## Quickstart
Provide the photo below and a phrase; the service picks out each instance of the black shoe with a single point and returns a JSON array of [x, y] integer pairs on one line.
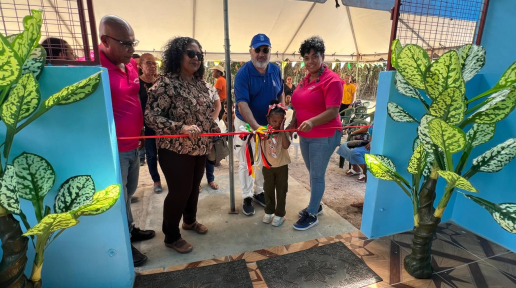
[[141, 235], [138, 257], [248, 208], [319, 212], [306, 222], [142, 162], [260, 199], [134, 199]]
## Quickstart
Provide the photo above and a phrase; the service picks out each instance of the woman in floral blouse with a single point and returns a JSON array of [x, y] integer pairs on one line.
[[180, 103]]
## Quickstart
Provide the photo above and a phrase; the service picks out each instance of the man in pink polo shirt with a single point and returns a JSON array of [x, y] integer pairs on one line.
[[117, 47]]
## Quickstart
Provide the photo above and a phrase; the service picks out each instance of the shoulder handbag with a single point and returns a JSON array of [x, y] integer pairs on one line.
[[219, 151]]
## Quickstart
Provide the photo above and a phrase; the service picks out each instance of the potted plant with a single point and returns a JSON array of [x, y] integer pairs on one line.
[[29, 176], [449, 126]]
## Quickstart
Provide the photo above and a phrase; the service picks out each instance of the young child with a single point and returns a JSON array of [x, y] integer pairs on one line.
[[276, 177]]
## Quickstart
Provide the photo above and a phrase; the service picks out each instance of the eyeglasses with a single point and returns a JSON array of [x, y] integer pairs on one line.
[[265, 50], [126, 44], [191, 54]]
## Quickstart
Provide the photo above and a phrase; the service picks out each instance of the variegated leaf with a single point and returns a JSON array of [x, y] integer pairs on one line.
[[11, 37], [443, 74], [395, 52], [101, 202], [75, 92], [472, 58], [73, 193], [449, 106], [399, 114], [449, 138], [404, 88], [504, 214], [430, 158], [10, 64], [456, 181], [380, 168], [508, 78], [480, 134], [495, 110], [25, 41], [52, 223], [412, 63], [496, 158], [34, 176], [36, 62], [424, 133], [22, 101], [417, 161], [8, 193]]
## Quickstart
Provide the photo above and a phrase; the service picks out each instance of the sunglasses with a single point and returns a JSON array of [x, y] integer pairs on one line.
[[191, 54], [126, 44], [265, 50]]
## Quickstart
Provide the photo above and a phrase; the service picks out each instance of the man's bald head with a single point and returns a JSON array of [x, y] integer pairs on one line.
[[112, 30]]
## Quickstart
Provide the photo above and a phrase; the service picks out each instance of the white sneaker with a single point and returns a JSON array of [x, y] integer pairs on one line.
[[267, 218], [278, 221]]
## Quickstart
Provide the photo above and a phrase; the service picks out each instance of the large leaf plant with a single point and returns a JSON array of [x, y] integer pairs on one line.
[[29, 176], [448, 127]]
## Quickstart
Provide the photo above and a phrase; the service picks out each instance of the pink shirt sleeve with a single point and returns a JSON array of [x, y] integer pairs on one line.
[[333, 94]]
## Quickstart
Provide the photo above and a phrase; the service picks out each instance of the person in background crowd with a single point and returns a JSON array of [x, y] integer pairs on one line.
[[136, 58], [149, 67], [58, 49], [348, 96], [316, 104], [257, 83], [118, 42], [220, 85], [180, 103], [210, 167], [289, 88]]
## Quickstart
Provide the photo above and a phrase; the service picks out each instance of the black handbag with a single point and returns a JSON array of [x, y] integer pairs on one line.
[[357, 143]]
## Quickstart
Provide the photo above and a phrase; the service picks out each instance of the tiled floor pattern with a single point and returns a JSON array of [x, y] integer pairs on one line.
[[461, 259]]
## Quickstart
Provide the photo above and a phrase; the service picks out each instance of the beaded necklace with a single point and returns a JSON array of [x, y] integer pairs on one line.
[[319, 73]]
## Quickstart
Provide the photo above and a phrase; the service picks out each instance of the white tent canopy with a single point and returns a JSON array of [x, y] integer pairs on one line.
[[286, 22]]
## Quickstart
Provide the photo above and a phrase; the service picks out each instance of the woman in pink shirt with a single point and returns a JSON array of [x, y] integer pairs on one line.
[[316, 103]]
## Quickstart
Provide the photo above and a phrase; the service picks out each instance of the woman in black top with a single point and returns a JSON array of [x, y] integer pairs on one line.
[[148, 67], [288, 88]]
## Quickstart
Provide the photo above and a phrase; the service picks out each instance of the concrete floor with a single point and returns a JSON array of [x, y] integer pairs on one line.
[[228, 234]]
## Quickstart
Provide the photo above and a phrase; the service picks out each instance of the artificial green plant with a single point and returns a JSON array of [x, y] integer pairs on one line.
[[449, 126], [29, 176]]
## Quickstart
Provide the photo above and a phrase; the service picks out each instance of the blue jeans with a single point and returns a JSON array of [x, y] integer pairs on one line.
[[316, 154], [210, 168], [152, 155], [130, 169]]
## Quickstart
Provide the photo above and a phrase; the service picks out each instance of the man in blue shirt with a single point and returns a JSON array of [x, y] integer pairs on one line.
[[257, 83]]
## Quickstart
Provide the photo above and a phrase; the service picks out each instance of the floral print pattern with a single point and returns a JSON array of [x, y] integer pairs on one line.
[[174, 103]]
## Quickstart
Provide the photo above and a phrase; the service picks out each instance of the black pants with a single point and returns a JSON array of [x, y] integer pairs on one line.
[[275, 180], [343, 107], [183, 174]]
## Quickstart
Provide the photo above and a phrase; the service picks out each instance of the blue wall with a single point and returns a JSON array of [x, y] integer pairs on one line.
[[80, 139], [387, 209]]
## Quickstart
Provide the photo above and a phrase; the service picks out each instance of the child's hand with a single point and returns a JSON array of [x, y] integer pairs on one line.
[[282, 125]]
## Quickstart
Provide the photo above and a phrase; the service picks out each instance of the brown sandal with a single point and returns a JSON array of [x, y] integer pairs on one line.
[[214, 185], [197, 227], [181, 246]]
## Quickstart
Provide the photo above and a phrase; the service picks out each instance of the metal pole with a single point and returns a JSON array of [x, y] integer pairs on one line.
[[232, 209], [482, 23], [395, 15]]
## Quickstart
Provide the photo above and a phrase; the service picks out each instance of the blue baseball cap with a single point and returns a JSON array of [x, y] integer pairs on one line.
[[260, 40]]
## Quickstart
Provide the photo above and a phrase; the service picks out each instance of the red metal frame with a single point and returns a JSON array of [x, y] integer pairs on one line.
[[482, 23], [395, 14]]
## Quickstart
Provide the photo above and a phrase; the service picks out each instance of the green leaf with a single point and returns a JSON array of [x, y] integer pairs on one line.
[[52, 223], [501, 105], [504, 214], [412, 64], [36, 62], [417, 161], [381, 167], [443, 74], [101, 202], [11, 37], [25, 41], [449, 106], [508, 78], [423, 133], [10, 63], [496, 158], [449, 138], [456, 181], [8, 193], [430, 158], [395, 52], [73, 193], [75, 92], [472, 58], [399, 114], [480, 134], [404, 88], [34, 176]]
